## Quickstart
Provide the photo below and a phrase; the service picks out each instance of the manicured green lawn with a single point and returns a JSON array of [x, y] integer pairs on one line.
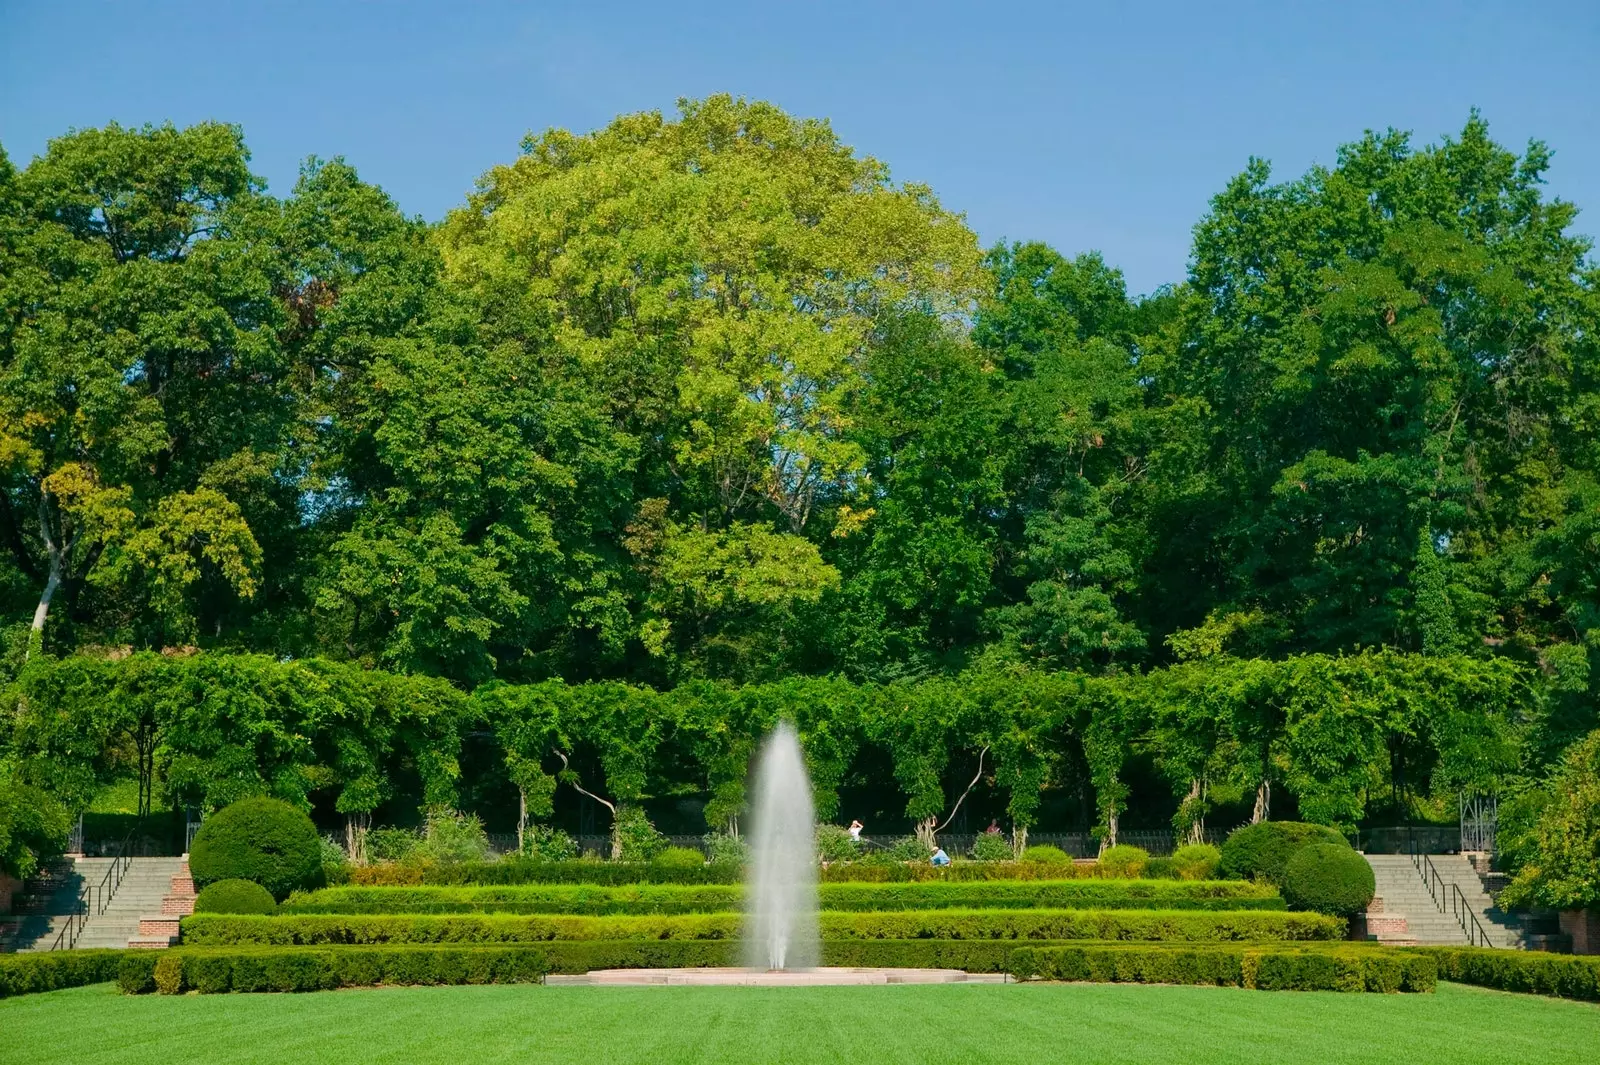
[[929, 1025]]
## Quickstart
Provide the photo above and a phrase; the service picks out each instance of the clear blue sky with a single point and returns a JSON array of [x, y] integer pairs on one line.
[[1101, 125]]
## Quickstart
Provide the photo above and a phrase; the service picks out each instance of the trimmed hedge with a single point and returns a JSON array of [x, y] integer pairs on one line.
[[1254, 966], [511, 871], [235, 896], [1151, 926], [1263, 850], [23, 974], [1536, 972], [671, 899], [262, 840], [528, 871], [1328, 878], [213, 970]]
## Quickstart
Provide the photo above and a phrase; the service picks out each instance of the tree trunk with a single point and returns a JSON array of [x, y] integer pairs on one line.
[[1263, 802], [42, 611], [1019, 839], [522, 816], [927, 831], [1110, 838], [1196, 833]]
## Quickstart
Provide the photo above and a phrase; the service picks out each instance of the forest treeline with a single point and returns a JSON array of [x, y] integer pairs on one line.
[[712, 397]]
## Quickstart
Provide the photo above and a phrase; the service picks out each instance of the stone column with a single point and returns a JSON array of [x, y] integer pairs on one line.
[[1584, 928]]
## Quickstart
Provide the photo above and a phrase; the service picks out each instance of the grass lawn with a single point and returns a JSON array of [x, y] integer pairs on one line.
[[1036, 1024]]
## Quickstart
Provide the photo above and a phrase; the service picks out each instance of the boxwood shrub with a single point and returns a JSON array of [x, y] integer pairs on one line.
[[1124, 861], [668, 898], [263, 840], [1157, 926], [1263, 850], [235, 896], [1328, 878], [1562, 975], [1267, 968]]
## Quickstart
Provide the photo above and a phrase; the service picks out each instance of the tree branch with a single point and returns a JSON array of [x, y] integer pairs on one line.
[[566, 768], [976, 777]]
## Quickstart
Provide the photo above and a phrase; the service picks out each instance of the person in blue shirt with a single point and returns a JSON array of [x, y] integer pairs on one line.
[[940, 857]]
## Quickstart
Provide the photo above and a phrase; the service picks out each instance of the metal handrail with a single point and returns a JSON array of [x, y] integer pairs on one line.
[[1430, 875], [1458, 906], [1477, 935], [89, 896]]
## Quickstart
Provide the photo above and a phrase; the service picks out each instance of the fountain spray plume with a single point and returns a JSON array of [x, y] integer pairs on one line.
[[781, 930]]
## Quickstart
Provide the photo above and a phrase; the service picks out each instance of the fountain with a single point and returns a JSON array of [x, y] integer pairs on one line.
[[781, 888], [782, 945]]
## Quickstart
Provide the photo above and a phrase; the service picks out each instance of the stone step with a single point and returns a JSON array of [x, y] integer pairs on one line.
[[159, 924], [150, 942]]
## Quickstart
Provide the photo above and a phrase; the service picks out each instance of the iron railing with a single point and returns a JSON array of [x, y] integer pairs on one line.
[[1448, 897], [1430, 876], [1477, 935], [97, 897]]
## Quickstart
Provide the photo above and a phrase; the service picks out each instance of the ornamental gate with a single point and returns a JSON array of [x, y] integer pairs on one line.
[[1479, 815]]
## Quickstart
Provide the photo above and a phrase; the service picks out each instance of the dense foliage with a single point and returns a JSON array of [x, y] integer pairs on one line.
[[1562, 861], [711, 400], [261, 840]]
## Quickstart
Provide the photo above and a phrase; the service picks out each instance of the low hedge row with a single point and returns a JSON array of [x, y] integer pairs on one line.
[[672, 899], [1265, 969], [1562, 975], [1142, 925], [525, 871], [23, 974], [586, 871], [212, 970]]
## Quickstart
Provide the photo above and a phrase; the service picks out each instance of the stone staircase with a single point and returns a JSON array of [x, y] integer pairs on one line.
[[1404, 911], [143, 912]]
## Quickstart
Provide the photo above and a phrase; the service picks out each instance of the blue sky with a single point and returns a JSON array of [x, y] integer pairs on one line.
[[1090, 126]]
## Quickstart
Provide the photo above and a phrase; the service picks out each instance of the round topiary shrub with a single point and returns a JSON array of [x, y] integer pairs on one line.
[[679, 858], [992, 847], [1261, 851], [234, 896], [1124, 861], [1196, 861], [1328, 878], [263, 840], [1046, 854]]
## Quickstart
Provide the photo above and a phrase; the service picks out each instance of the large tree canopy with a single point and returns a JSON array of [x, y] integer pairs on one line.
[[709, 398]]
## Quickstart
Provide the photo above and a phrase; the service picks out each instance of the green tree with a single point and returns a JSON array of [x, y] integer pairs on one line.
[[139, 356], [717, 283]]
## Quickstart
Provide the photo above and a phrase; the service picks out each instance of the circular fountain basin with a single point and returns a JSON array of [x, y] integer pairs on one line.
[[820, 977]]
